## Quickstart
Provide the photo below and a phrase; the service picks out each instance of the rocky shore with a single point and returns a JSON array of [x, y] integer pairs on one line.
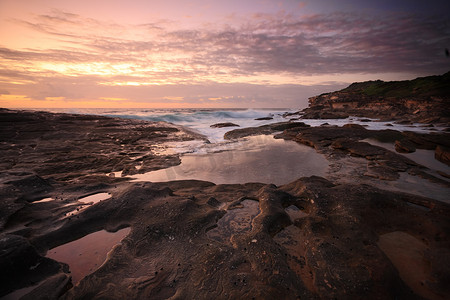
[[424, 100], [361, 232]]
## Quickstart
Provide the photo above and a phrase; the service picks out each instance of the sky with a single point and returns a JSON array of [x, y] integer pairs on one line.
[[211, 54]]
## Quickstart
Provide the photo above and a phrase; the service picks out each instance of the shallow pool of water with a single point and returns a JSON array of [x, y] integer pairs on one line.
[[43, 200], [87, 254], [95, 198], [260, 159], [420, 156]]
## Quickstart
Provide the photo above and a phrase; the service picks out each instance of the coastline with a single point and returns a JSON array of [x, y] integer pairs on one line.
[[344, 241]]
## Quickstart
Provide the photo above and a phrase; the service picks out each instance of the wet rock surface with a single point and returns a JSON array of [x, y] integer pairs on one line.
[[314, 238]]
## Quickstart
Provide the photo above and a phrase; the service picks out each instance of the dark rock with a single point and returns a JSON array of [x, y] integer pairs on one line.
[[404, 146], [264, 118], [21, 265], [32, 187], [213, 202], [357, 126], [265, 129], [221, 125], [325, 114], [443, 174], [52, 288], [362, 149], [442, 154]]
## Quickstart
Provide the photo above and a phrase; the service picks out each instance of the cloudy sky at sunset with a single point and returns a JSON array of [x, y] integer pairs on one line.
[[200, 53]]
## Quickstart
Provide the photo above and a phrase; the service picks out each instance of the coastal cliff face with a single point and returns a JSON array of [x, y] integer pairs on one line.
[[424, 100]]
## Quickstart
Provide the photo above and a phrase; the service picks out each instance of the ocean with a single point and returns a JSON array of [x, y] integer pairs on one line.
[[200, 120], [253, 159]]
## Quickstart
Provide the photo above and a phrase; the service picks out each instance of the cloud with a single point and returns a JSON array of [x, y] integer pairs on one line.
[[317, 44], [92, 58]]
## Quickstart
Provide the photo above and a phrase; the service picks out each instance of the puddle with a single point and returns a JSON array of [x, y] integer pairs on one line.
[[407, 254], [95, 198], [261, 159], [88, 201], [420, 156], [235, 221], [43, 200], [419, 186], [295, 213], [87, 254]]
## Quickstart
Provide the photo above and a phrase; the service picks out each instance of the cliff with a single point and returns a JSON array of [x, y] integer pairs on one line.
[[425, 100]]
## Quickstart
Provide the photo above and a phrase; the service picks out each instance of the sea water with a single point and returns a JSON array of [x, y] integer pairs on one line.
[[238, 161], [200, 120]]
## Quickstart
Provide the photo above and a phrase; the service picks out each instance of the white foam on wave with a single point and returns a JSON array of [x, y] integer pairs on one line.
[[200, 120]]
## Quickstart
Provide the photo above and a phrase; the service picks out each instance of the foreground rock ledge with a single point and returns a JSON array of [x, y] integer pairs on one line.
[[342, 243]]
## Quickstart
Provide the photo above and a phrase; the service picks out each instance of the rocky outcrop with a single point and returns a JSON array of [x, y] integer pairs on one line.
[[265, 129], [221, 125], [425, 100]]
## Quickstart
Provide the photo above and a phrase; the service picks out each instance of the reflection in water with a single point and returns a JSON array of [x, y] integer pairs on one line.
[[420, 156], [88, 201], [415, 184], [262, 159], [87, 254], [43, 200], [95, 198], [235, 221], [419, 186]]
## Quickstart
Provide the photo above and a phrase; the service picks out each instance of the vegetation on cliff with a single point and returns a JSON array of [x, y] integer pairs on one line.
[[423, 100], [438, 86]]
